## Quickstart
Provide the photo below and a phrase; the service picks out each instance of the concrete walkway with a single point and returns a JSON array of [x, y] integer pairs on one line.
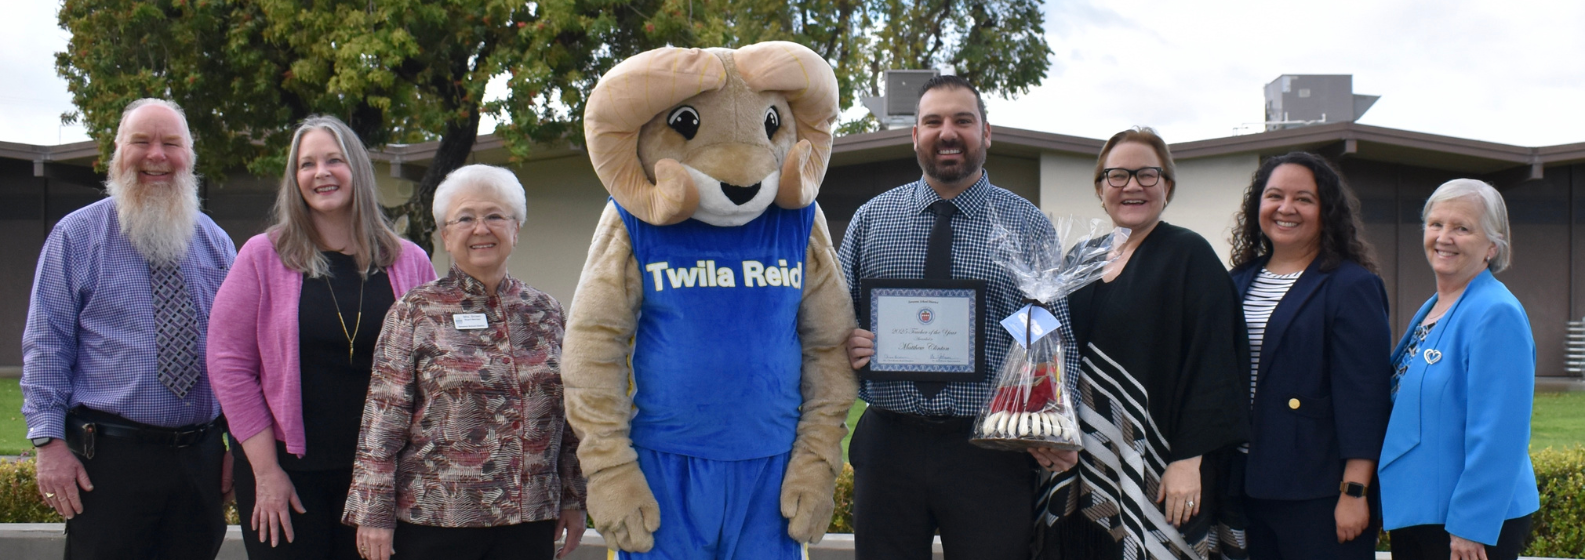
[[41, 541]]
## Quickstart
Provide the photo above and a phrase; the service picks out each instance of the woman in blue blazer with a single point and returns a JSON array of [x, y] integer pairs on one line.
[[1319, 371], [1456, 478]]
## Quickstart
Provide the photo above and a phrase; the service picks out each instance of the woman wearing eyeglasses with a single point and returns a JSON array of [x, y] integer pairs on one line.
[[465, 452], [291, 340], [1159, 400]]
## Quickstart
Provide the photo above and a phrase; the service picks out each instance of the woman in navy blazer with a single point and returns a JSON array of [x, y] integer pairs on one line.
[[1319, 372], [1456, 478]]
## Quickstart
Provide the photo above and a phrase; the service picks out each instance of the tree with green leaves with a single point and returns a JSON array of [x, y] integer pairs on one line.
[[408, 71]]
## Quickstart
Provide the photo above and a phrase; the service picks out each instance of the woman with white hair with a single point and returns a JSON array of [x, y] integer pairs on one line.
[[1456, 479], [291, 342], [465, 451]]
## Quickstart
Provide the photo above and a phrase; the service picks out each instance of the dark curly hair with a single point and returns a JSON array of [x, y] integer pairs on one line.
[[1341, 228]]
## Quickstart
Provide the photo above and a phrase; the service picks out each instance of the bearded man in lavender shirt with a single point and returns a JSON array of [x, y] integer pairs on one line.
[[115, 390]]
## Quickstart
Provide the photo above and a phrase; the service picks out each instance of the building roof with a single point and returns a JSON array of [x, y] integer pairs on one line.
[[1353, 139]]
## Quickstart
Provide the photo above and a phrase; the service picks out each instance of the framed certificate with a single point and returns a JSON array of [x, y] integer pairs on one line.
[[925, 330]]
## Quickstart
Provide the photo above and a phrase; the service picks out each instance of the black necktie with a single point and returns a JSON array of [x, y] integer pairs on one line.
[[938, 250], [938, 266]]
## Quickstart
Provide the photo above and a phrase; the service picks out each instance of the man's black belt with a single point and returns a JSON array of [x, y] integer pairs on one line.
[[113, 426], [925, 421], [172, 437]]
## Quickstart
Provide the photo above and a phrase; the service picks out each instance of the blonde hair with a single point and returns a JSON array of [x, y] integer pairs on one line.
[[374, 242]]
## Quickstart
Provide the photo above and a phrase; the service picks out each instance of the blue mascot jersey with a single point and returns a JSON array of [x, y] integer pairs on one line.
[[717, 359]]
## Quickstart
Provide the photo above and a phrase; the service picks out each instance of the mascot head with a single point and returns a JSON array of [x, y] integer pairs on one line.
[[716, 134]]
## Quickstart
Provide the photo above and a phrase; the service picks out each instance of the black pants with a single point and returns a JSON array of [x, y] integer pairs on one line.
[[524, 541], [1304, 529], [1432, 542], [317, 534], [914, 476], [149, 500]]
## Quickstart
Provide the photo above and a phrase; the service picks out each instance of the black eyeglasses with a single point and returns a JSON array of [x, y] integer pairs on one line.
[[1118, 176]]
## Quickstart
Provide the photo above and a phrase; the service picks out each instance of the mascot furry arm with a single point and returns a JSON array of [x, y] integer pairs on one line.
[[661, 184]]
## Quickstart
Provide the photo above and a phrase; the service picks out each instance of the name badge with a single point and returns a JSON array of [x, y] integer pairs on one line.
[[469, 321]]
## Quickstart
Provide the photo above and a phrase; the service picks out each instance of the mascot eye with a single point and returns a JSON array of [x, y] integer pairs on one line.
[[684, 120], [772, 122]]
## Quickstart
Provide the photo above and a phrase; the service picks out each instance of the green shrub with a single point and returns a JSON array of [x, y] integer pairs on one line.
[[1559, 528], [842, 520], [19, 495], [20, 501]]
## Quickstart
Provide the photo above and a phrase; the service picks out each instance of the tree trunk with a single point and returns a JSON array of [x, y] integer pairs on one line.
[[456, 144]]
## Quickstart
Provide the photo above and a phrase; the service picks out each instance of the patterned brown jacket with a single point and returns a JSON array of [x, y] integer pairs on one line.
[[466, 428]]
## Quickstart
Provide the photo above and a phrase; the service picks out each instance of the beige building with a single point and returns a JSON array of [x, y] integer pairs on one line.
[[1393, 172]]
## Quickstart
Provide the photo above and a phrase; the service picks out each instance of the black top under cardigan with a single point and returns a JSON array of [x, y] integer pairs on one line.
[[334, 386]]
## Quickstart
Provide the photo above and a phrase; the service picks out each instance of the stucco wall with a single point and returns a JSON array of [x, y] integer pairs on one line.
[[1209, 192], [565, 199], [1066, 188]]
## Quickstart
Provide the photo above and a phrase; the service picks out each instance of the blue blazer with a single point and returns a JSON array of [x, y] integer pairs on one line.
[[1457, 450], [1325, 350]]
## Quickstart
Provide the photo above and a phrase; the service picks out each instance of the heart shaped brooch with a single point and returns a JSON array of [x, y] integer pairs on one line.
[[1432, 356]]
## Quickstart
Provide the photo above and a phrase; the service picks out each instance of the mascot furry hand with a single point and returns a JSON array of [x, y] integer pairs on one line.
[[704, 365]]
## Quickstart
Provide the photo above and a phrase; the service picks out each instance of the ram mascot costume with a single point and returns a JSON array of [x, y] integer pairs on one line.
[[704, 364]]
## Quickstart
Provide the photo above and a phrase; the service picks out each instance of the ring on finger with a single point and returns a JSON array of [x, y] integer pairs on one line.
[[49, 495]]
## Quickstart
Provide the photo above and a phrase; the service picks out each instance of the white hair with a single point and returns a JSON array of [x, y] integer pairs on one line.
[[1493, 216], [499, 182]]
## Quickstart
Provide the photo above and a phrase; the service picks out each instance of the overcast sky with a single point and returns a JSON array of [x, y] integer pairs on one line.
[[1510, 71]]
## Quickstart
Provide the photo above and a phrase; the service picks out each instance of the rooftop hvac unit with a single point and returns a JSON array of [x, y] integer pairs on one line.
[[896, 108], [1294, 100], [902, 90]]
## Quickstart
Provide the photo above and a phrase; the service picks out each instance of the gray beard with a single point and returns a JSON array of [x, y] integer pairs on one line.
[[159, 221]]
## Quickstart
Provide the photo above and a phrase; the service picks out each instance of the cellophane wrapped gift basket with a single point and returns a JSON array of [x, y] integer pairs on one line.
[[1032, 405]]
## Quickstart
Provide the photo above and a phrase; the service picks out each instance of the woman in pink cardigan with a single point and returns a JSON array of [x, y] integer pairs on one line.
[[291, 343]]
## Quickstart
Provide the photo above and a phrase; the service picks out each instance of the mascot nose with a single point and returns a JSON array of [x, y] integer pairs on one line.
[[740, 195]]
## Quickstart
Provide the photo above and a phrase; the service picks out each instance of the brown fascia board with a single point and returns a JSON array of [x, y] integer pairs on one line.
[[63, 152], [422, 153], [1282, 141], [1562, 154], [1000, 136]]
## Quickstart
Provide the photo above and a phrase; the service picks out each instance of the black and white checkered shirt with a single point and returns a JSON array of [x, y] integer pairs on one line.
[[887, 239]]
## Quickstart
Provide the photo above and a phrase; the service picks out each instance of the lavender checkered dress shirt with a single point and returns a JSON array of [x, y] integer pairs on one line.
[[90, 330], [887, 238]]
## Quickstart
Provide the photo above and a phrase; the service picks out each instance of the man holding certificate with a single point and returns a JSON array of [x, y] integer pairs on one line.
[[918, 260]]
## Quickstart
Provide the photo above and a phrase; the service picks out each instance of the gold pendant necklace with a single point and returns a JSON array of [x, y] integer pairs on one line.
[[357, 323]]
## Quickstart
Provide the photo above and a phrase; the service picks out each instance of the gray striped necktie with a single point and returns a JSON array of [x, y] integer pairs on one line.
[[175, 329]]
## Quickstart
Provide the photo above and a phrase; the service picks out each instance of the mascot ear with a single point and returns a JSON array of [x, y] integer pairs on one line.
[[626, 98], [811, 89]]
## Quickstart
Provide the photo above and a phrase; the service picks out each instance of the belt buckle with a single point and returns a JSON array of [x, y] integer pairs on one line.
[[187, 438]]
